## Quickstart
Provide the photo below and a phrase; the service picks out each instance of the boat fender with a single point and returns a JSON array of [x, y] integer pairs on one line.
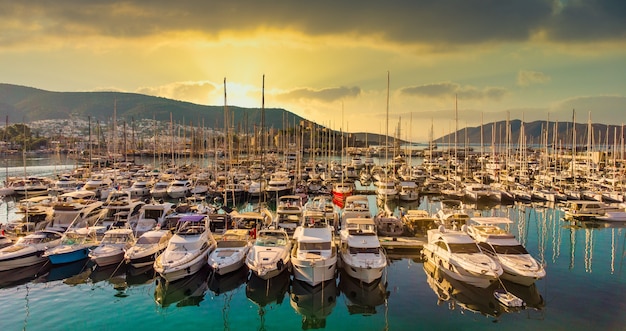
[[280, 264]]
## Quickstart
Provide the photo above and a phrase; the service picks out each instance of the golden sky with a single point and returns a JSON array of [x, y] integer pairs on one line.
[[531, 59]]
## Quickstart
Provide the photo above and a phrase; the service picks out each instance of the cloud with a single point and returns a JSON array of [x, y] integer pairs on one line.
[[587, 21], [445, 22], [196, 92], [324, 95], [448, 89], [526, 78]]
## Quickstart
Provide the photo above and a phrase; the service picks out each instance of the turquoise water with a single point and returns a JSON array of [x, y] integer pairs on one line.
[[584, 289]]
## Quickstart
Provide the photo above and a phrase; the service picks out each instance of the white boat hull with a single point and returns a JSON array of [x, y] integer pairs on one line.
[[314, 272], [227, 260], [175, 271], [478, 279], [366, 271]]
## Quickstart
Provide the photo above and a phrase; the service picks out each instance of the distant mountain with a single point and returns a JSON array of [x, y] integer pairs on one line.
[[26, 104], [534, 131]]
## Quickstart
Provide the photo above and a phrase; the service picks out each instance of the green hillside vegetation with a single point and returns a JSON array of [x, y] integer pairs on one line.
[[26, 104]]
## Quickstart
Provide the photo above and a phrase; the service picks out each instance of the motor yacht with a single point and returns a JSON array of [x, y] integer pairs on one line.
[[456, 253], [112, 247], [75, 246], [362, 257], [314, 257], [179, 189], [271, 253], [231, 251], [289, 213], [187, 250], [147, 247], [28, 250], [517, 264]]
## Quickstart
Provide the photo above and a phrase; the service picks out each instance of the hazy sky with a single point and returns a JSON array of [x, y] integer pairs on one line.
[[530, 59]]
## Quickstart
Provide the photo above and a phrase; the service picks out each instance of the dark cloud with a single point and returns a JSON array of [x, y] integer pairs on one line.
[[588, 20], [326, 95], [448, 89], [456, 22]]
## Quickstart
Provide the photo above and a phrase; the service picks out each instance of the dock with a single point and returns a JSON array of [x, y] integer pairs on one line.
[[402, 243]]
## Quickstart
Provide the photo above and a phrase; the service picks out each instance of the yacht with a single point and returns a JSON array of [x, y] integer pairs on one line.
[[341, 190], [179, 189], [112, 247], [28, 250], [271, 254], [418, 221], [75, 246], [78, 208], [149, 245], [152, 215], [121, 210], [388, 224], [278, 184], [32, 186], [517, 264], [585, 209], [386, 189], [188, 249], [362, 257], [140, 189], [36, 214], [289, 213], [63, 184], [409, 191], [452, 214], [356, 206], [159, 190], [460, 257], [314, 257], [99, 184], [231, 251]]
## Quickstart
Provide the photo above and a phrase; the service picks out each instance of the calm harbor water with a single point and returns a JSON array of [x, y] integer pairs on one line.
[[584, 289]]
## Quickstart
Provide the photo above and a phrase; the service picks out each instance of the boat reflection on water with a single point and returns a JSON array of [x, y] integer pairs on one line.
[[220, 284], [22, 275], [460, 294], [72, 273], [362, 298], [188, 291], [314, 303], [108, 273], [479, 300], [266, 292], [140, 276]]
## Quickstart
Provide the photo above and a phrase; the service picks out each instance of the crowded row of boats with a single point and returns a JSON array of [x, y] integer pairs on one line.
[[309, 241]]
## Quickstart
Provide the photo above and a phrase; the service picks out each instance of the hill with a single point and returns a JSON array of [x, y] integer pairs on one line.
[[27, 104], [534, 131]]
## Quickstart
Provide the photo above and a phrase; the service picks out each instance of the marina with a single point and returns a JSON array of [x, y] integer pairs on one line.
[[583, 260]]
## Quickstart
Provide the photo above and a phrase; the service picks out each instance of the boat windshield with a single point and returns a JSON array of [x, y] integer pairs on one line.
[[116, 238], [468, 248], [512, 250], [321, 246], [364, 250], [270, 240], [148, 240], [32, 241]]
